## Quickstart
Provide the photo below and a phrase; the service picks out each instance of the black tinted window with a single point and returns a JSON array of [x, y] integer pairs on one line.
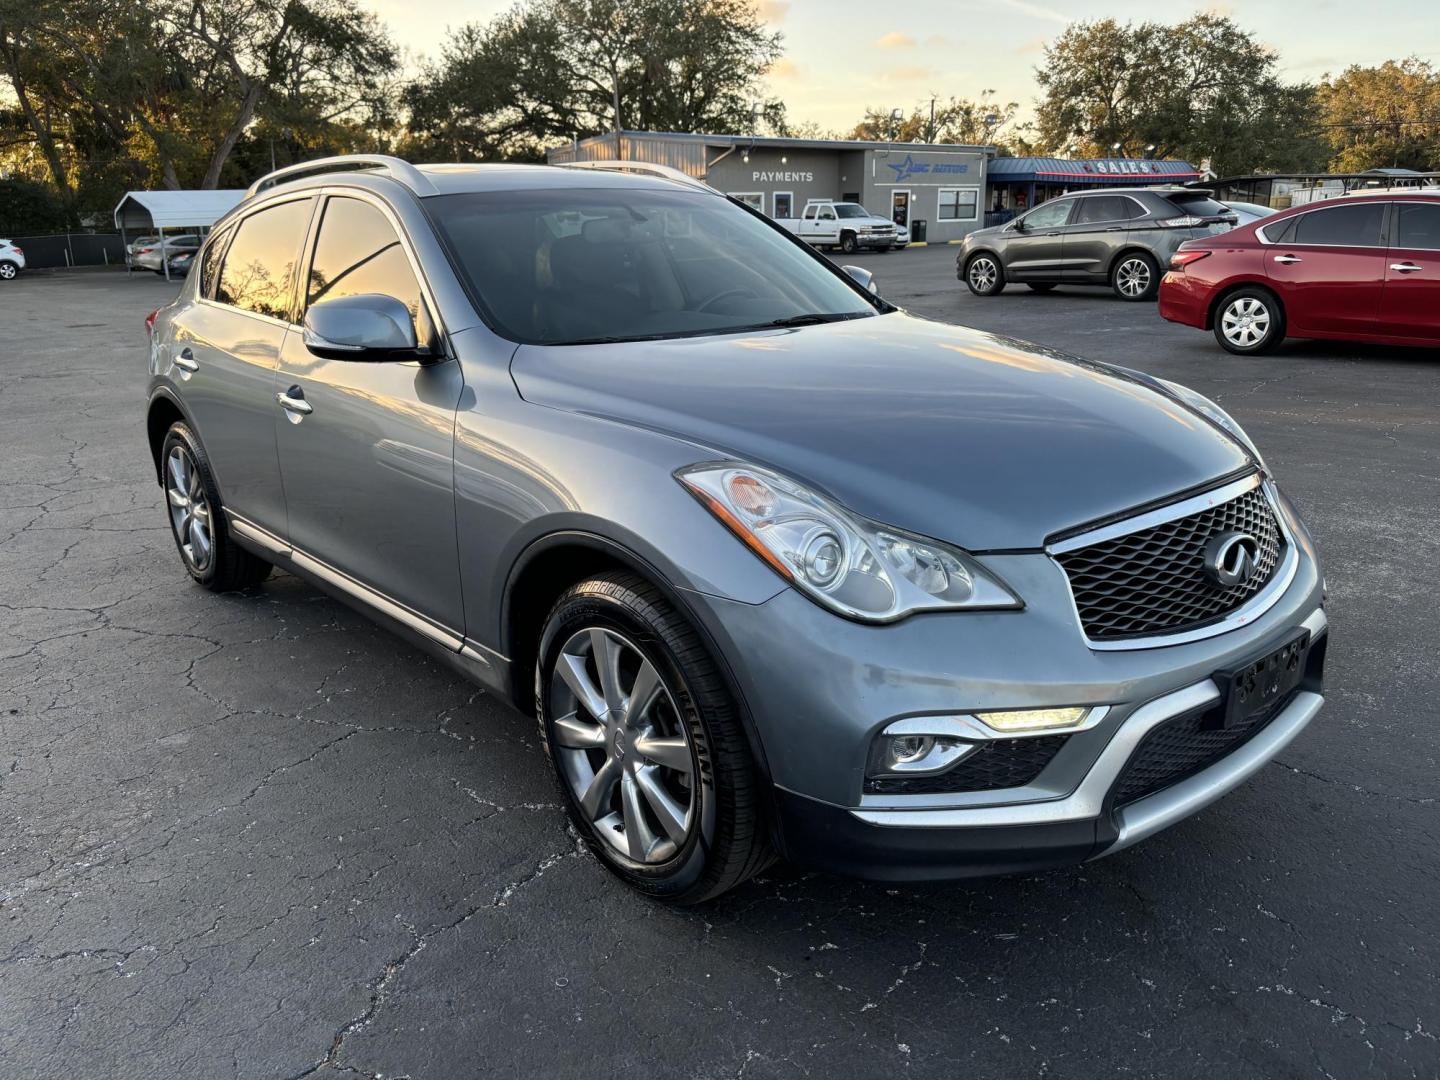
[[359, 252], [1357, 225], [1419, 226], [259, 268], [1104, 208], [1199, 205], [1282, 232], [210, 262]]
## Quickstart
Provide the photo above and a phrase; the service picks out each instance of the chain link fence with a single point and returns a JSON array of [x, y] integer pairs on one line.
[[71, 249]]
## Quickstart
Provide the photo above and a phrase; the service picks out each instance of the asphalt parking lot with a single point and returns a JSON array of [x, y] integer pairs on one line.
[[253, 836]]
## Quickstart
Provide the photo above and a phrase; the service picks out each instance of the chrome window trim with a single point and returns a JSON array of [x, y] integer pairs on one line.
[[1246, 613], [1148, 815], [1332, 204]]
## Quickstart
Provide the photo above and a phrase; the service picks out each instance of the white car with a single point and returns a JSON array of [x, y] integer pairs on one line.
[[1247, 212], [12, 260], [151, 256]]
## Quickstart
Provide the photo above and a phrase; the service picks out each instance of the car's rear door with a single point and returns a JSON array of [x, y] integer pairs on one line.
[[1033, 244], [368, 454], [1097, 231], [225, 349], [1328, 265], [1410, 301]]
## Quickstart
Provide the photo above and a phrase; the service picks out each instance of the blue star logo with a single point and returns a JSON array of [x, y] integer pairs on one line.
[[904, 169]]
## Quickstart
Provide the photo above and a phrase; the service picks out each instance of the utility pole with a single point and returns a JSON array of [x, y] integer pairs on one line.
[[930, 131]]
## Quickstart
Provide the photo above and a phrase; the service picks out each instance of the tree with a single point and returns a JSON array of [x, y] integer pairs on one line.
[[1204, 88], [978, 121], [28, 207], [551, 70], [1382, 116]]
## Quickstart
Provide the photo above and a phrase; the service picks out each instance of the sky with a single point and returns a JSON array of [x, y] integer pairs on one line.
[[842, 56]]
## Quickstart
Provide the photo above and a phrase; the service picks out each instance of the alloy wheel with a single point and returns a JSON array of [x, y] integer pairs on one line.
[[983, 273], [1133, 277], [621, 745], [190, 515], [1245, 322], [7, 271]]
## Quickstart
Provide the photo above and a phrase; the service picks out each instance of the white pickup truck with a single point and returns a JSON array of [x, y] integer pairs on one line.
[[846, 225]]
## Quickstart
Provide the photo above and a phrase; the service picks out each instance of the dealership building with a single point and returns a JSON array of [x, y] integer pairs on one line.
[[940, 184], [953, 188]]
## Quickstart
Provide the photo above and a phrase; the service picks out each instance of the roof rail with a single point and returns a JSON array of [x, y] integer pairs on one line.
[[394, 167], [649, 168]]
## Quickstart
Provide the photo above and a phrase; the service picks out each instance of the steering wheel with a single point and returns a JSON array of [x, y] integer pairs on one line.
[[724, 295]]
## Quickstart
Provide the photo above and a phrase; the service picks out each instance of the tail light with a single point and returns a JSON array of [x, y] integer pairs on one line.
[[17, 249], [1182, 259], [150, 322], [144, 251], [1188, 221]]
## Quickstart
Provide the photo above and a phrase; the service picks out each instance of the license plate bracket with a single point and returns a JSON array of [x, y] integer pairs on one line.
[[1259, 685]]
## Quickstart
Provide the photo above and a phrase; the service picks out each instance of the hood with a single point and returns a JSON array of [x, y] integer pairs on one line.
[[980, 234], [964, 436]]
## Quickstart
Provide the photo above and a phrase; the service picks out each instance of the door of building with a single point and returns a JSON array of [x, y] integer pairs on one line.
[[900, 207]]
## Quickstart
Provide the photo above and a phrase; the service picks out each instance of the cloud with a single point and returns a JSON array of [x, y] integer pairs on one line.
[[895, 40], [785, 68], [1037, 11], [774, 11], [1029, 48]]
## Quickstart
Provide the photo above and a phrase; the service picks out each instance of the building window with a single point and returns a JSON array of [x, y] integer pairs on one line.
[[959, 204], [753, 199], [784, 203]]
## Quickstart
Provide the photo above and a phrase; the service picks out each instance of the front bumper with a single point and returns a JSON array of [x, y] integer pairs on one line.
[[819, 689]]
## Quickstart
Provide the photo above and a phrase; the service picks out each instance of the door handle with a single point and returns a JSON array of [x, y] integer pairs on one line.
[[1287, 259], [293, 401], [1405, 267], [1115, 228], [186, 359]]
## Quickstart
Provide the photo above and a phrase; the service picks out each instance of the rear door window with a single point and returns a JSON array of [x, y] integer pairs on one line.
[[1099, 208], [358, 251], [1356, 225], [210, 262], [1418, 226], [258, 273]]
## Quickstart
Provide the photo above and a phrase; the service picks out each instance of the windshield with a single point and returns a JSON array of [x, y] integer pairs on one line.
[[850, 210], [566, 266]]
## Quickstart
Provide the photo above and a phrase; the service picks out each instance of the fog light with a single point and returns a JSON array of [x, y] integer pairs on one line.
[[916, 755], [1033, 719]]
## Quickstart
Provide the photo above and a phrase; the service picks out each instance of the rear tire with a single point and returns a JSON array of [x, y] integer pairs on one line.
[[197, 519], [984, 275], [1135, 276], [679, 813], [8, 270], [1249, 321]]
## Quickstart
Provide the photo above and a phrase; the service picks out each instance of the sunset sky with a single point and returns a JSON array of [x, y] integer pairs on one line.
[[844, 55]]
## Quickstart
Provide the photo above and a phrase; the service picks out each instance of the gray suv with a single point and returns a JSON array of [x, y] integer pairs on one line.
[[779, 568], [1121, 237]]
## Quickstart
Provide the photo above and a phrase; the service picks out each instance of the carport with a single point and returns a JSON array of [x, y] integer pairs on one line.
[[156, 211]]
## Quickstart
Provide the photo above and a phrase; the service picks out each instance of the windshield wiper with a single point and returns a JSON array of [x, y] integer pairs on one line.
[[815, 318]]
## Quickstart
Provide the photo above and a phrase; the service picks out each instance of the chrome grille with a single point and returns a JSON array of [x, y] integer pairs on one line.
[[1153, 581]]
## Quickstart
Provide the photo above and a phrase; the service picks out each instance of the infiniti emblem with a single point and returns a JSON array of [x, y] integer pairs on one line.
[[619, 744], [1231, 558]]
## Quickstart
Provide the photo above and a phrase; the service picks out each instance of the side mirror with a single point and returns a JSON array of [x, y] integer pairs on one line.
[[862, 277], [1018, 224], [370, 326]]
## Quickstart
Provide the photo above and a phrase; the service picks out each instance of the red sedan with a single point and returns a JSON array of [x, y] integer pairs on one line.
[[1357, 268]]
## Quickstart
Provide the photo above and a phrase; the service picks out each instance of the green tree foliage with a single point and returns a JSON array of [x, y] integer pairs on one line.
[[1386, 116], [550, 70], [28, 207], [976, 121], [1201, 89]]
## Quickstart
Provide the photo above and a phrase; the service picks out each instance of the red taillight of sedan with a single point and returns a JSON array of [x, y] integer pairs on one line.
[[150, 322], [1182, 259]]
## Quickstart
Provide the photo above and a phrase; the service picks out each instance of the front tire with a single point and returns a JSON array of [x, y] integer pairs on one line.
[[1136, 276], [197, 520], [646, 742], [1249, 322], [848, 244], [984, 275]]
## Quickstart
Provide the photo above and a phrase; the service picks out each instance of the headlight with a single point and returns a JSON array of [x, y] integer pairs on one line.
[[855, 567], [1207, 408]]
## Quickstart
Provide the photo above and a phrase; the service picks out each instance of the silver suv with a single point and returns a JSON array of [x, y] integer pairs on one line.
[[780, 568], [1121, 237]]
